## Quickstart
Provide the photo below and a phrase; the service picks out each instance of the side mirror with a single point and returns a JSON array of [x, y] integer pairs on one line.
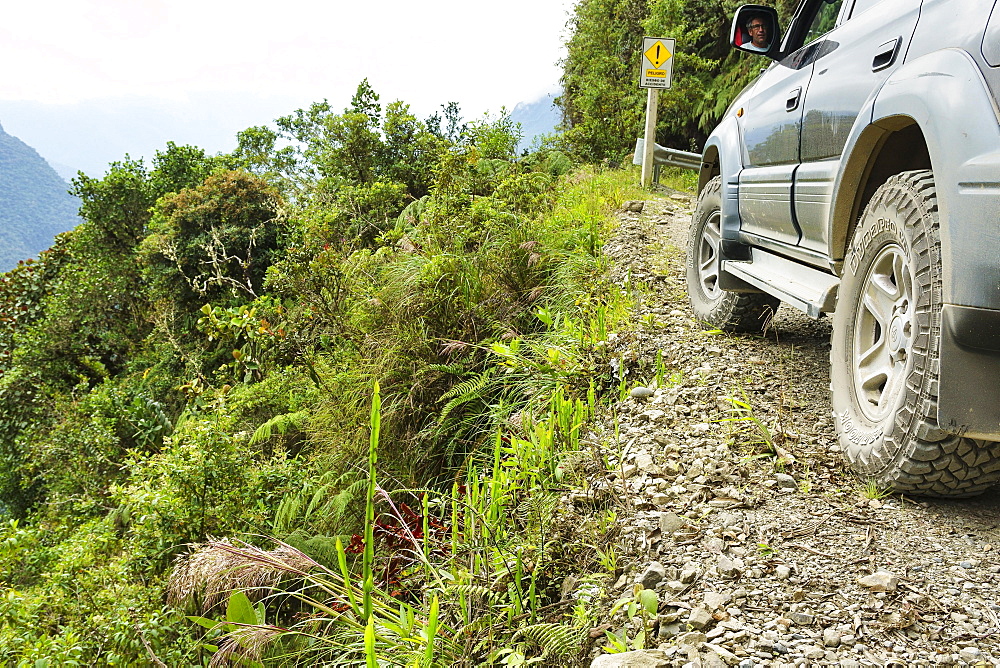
[[755, 30]]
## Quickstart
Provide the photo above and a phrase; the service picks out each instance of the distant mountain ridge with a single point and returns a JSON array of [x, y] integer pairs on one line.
[[537, 118], [34, 203]]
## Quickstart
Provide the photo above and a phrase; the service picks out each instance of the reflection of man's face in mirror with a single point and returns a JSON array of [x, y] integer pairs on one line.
[[759, 37]]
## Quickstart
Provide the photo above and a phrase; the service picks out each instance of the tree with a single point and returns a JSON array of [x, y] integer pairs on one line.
[[411, 150], [602, 105], [495, 138], [212, 243], [257, 152], [362, 166], [453, 129], [90, 315], [338, 148]]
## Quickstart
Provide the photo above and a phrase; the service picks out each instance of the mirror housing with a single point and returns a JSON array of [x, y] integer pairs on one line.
[[740, 35]]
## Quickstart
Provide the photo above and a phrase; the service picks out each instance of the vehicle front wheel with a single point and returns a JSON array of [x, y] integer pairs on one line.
[[884, 353], [728, 311]]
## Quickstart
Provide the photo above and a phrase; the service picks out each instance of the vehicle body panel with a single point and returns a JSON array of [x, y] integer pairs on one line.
[[903, 68], [855, 58]]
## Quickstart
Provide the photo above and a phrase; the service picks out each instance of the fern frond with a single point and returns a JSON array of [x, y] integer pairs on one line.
[[465, 392], [280, 424], [321, 548], [480, 593], [470, 386], [537, 509], [554, 639], [453, 369], [318, 505], [286, 514], [333, 508]]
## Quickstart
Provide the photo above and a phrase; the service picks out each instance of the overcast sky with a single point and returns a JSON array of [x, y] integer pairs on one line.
[[66, 54]]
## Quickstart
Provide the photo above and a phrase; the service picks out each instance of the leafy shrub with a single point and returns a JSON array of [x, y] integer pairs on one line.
[[213, 242], [205, 481]]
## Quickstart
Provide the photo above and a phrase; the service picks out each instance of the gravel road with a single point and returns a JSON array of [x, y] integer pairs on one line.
[[762, 548]]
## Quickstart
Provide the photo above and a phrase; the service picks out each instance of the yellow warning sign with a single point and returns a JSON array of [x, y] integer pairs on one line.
[[657, 65], [657, 54]]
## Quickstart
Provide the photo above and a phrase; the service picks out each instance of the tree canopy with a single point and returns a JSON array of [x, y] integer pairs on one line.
[[603, 107]]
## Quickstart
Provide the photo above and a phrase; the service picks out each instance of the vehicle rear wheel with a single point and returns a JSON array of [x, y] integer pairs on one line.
[[884, 353], [728, 311]]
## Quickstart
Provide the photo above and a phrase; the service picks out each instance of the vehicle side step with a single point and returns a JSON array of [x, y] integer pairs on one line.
[[798, 285]]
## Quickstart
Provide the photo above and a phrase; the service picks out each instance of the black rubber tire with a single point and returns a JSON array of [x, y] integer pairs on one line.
[[717, 308], [884, 352]]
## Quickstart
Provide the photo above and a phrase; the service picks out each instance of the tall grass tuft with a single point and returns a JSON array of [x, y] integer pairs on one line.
[[501, 533]]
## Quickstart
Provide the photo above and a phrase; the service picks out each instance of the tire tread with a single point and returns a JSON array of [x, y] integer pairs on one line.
[[917, 457], [736, 312]]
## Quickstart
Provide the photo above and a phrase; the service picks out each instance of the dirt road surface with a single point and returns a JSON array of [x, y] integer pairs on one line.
[[737, 510]]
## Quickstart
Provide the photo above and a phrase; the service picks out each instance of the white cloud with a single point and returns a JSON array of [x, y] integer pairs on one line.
[[483, 55]]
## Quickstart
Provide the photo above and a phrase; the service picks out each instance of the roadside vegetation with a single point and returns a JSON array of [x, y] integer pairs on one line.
[[310, 401], [316, 400]]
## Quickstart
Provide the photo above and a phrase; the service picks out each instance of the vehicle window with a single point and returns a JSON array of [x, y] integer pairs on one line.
[[824, 20], [863, 6]]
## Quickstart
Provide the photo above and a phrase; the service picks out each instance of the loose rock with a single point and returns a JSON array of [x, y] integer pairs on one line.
[[880, 581], [641, 393], [786, 481], [801, 618], [700, 618], [727, 567], [637, 659], [652, 575]]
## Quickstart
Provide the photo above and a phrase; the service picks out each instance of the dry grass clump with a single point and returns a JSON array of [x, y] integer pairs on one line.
[[244, 644], [209, 572]]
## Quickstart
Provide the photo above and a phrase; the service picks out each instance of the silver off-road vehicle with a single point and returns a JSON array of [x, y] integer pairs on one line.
[[859, 175]]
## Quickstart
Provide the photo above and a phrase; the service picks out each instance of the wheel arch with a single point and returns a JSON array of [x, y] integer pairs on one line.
[[723, 156], [939, 104], [710, 167], [882, 150]]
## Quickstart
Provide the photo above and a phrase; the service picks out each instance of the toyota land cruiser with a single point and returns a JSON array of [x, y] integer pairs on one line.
[[859, 175]]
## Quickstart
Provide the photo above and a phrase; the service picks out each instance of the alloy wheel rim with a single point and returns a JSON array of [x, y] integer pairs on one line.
[[883, 333], [708, 256]]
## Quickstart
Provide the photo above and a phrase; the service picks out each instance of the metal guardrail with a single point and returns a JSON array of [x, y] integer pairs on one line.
[[663, 156]]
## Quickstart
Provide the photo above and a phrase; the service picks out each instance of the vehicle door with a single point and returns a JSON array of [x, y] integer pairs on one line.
[[855, 59], [771, 123]]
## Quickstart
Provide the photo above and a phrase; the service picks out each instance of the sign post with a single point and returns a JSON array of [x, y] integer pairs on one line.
[[657, 70], [649, 141]]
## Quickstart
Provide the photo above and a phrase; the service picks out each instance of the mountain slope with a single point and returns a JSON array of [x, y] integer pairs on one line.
[[536, 118], [34, 202]]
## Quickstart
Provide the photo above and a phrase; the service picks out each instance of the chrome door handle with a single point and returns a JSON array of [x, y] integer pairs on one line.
[[886, 55]]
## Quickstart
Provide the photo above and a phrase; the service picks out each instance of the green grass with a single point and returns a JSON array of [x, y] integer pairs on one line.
[[520, 411], [871, 490]]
